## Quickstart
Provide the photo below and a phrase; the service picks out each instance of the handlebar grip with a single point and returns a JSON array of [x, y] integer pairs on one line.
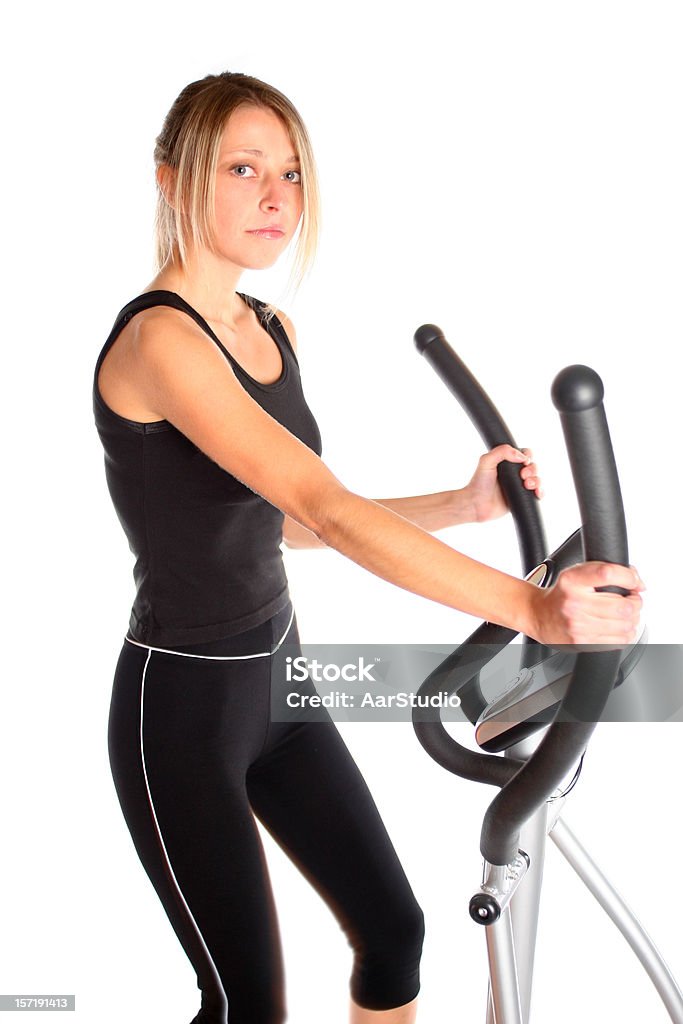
[[431, 343], [577, 393]]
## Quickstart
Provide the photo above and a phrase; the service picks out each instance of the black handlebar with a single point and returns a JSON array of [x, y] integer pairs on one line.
[[493, 430], [577, 393]]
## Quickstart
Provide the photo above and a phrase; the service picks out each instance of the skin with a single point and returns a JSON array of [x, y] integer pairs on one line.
[[161, 362]]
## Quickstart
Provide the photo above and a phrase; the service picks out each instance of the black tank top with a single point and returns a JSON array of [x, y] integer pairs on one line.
[[208, 562]]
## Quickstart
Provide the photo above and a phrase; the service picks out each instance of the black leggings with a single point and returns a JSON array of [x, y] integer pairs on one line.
[[194, 755]]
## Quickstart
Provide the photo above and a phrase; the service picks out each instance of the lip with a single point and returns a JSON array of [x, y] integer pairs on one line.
[[270, 231]]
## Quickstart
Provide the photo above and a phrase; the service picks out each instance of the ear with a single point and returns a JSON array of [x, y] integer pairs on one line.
[[166, 180]]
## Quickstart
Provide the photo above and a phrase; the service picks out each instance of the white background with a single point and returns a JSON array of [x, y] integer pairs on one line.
[[510, 171]]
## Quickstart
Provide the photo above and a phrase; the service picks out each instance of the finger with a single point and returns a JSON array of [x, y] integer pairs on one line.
[[502, 453], [531, 478], [604, 621], [619, 613], [534, 484], [641, 585], [605, 574]]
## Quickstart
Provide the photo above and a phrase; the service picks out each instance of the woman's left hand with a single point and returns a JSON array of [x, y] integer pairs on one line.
[[485, 494]]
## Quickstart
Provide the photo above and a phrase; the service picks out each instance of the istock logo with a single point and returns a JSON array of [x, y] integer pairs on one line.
[[301, 668]]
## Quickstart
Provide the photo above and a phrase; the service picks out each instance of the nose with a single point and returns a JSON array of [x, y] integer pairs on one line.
[[274, 195]]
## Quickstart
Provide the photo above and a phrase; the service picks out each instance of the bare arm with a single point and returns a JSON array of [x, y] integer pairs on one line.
[[479, 501], [431, 512], [189, 382]]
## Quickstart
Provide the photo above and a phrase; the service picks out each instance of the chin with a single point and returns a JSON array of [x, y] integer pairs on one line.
[[262, 264]]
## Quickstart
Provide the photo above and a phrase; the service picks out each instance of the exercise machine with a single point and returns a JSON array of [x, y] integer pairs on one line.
[[557, 695]]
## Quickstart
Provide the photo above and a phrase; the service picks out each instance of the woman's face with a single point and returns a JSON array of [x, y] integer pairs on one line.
[[259, 197]]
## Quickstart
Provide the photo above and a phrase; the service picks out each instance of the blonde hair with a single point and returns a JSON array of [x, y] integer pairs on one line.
[[189, 144]]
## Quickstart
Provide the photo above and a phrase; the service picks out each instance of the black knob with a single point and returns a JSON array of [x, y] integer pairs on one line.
[[577, 388], [484, 908], [426, 334]]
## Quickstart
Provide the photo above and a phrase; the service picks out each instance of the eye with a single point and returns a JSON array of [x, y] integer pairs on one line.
[[243, 171], [293, 176]]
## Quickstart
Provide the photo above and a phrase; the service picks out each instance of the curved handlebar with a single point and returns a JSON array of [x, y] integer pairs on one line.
[[455, 672], [577, 393], [431, 343], [459, 673]]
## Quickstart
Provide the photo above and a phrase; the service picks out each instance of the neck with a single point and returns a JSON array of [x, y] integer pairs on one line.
[[207, 282]]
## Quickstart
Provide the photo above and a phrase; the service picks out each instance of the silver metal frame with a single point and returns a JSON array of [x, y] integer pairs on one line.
[[523, 913], [624, 918], [511, 940]]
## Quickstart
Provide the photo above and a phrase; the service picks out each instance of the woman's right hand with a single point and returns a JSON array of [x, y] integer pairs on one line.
[[573, 612]]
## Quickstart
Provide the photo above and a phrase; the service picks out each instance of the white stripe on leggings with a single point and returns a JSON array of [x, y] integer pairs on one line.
[[163, 847], [214, 657]]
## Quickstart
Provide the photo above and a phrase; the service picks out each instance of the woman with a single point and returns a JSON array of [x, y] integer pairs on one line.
[[212, 455]]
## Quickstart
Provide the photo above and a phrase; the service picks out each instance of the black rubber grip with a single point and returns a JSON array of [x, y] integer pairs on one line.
[[431, 343], [577, 393]]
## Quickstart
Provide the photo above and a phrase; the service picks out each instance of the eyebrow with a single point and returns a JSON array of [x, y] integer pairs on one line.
[[259, 152]]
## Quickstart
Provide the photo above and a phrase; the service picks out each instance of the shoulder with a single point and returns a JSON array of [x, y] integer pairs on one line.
[[267, 311], [288, 327], [167, 340], [160, 328]]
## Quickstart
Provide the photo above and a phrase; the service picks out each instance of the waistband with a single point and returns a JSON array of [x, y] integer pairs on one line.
[[223, 657]]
